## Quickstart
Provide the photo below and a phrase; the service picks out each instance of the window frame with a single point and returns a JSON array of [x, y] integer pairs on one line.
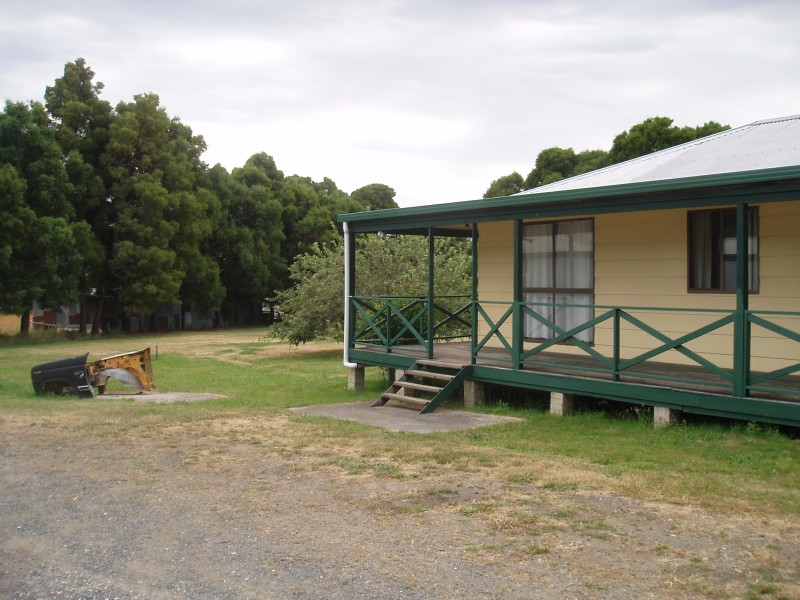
[[754, 232], [553, 291]]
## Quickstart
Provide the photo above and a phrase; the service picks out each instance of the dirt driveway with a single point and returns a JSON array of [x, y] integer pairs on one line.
[[234, 508], [223, 510]]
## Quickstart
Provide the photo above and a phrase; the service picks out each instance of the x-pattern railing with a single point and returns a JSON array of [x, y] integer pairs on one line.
[[614, 364], [391, 321], [756, 381]]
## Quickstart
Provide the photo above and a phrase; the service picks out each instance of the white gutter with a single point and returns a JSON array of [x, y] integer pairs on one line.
[[346, 361]]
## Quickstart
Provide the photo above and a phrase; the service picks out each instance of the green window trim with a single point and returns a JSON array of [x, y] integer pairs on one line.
[[712, 248], [558, 276]]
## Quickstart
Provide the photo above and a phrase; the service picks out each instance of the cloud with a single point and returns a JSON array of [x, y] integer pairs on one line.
[[436, 98]]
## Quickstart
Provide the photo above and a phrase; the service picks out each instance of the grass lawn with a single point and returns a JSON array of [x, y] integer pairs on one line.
[[732, 468]]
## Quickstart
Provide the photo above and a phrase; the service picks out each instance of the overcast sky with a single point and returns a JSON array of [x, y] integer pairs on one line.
[[435, 98]]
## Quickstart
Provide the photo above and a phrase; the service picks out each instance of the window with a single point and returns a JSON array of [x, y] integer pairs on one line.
[[558, 269], [712, 250]]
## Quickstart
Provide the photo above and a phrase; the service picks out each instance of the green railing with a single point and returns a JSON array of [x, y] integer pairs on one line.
[[505, 323], [387, 322], [758, 382], [624, 345]]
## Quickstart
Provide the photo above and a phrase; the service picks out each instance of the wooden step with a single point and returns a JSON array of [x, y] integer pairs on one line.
[[408, 401], [421, 387], [418, 371], [430, 375]]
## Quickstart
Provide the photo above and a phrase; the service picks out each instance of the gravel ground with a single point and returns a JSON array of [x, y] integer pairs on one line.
[[191, 511]]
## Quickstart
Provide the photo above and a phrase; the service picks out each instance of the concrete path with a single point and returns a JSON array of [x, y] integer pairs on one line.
[[160, 397], [403, 419], [393, 418]]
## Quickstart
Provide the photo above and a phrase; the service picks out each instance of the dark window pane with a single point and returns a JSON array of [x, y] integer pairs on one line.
[[712, 250]]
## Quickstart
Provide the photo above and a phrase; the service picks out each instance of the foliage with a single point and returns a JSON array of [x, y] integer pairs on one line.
[[82, 124], [113, 206], [505, 186], [249, 234], [160, 208], [309, 208], [386, 266], [655, 134], [313, 306], [554, 164], [134, 219], [375, 196], [37, 245]]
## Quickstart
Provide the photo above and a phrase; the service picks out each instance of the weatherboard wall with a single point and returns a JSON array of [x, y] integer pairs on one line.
[[641, 260], [495, 272]]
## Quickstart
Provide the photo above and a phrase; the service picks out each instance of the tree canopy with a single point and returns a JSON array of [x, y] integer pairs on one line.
[[554, 164], [505, 186], [114, 208], [375, 196], [37, 241], [656, 133]]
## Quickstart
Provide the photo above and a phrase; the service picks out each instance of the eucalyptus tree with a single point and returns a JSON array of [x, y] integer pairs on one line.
[[375, 196], [39, 259], [310, 209], [162, 212], [656, 133], [82, 122], [554, 164], [505, 186], [247, 240]]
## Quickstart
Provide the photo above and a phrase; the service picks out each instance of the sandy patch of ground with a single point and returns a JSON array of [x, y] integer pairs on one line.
[[226, 345]]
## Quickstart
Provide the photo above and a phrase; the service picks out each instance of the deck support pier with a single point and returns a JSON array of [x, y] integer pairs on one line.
[[355, 378], [663, 416], [561, 404], [474, 394]]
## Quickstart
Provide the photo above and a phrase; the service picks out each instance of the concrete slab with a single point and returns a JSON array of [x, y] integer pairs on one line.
[[162, 398], [396, 418]]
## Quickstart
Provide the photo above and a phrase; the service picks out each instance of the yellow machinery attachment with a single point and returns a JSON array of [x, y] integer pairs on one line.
[[132, 368]]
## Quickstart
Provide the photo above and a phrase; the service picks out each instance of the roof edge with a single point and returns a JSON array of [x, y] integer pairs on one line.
[[621, 190]]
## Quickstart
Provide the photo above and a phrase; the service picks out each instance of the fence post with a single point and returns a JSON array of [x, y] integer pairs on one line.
[[615, 373], [474, 303], [741, 327], [389, 310], [517, 322], [431, 276]]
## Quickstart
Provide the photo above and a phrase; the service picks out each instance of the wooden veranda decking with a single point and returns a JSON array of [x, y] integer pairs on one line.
[[652, 373], [488, 340]]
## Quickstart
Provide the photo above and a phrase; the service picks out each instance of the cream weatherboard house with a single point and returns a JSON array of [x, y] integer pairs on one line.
[[671, 280]]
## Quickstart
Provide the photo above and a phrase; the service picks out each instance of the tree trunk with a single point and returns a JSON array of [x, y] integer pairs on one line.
[[25, 323]]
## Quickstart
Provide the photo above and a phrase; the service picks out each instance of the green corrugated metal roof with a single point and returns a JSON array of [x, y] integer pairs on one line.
[[765, 152]]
